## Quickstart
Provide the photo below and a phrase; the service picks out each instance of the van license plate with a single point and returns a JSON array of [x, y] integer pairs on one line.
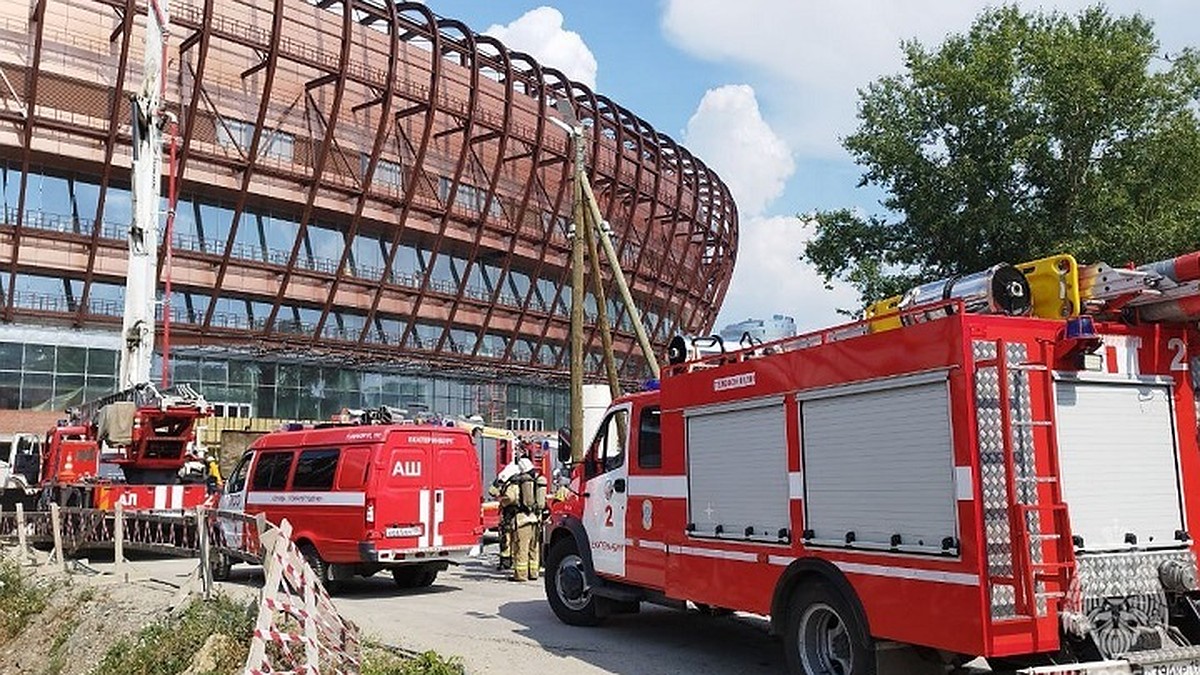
[[1184, 668], [411, 531]]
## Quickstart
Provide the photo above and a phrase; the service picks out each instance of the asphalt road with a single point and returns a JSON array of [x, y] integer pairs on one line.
[[498, 626]]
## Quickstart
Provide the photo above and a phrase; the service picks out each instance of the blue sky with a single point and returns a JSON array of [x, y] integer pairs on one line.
[[761, 90]]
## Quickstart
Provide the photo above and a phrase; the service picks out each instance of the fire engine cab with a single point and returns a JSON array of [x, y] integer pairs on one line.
[[1009, 470], [363, 498]]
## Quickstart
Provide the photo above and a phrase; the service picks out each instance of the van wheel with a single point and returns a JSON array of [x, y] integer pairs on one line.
[[72, 498], [222, 565], [824, 636], [320, 568], [566, 586], [414, 576]]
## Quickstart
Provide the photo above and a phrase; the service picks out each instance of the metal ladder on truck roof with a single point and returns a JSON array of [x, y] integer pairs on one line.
[[1029, 575]]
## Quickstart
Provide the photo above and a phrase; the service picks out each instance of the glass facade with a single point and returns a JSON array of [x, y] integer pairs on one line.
[[50, 377], [308, 391], [68, 203], [54, 377]]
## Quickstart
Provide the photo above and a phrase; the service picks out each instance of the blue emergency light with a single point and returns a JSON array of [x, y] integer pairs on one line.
[[1081, 328], [650, 385]]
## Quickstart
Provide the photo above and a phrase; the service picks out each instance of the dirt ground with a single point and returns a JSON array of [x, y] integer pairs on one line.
[[87, 612]]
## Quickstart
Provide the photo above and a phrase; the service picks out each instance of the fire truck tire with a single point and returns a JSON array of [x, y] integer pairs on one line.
[[320, 568], [222, 565], [72, 498], [414, 576], [824, 636], [566, 586]]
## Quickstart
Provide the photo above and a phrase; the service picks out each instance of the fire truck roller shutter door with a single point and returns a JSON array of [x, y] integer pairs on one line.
[[737, 471], [1120, 481], [879, 464]]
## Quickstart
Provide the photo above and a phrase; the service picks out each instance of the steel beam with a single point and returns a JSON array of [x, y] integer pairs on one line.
[[37, 15], [323, 153], [503, 134], [251, 159], [467, 129], [386, 99], [417, 170]]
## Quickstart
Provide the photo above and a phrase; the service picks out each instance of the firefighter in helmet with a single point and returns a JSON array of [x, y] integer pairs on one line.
[[526, 491], [508, 513]]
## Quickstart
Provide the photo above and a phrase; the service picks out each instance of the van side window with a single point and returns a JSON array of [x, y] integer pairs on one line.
[[271, 472], [237, 480], [355, 464], [315, 469], [649, 448]]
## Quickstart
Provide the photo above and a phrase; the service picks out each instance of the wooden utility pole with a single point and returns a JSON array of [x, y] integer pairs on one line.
[[587, 225], [577, 243]]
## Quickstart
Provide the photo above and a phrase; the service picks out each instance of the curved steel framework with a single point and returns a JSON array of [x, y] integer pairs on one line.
[[458, 121]]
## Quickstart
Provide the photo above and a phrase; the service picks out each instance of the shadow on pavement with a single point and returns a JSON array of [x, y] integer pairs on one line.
[[656, 641], [378, 585], [483, 569]]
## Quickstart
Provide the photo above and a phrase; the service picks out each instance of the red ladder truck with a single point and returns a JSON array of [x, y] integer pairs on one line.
[[130, 446], [1003, 465]]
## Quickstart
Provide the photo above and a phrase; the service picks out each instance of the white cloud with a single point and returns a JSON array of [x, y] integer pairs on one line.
[[729, 134], [539, 33], [770, 278], [808, 59]]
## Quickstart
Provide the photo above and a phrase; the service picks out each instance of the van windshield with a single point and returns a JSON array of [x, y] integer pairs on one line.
[[237, 480]]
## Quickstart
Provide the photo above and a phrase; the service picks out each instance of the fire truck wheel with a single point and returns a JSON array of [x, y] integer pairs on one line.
[[320, 568], [824, 636], [566, 586], [222, 565], [72, 498], [414, 576]]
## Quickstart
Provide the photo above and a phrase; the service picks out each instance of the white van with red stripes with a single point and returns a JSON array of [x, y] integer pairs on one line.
[[364, 498]]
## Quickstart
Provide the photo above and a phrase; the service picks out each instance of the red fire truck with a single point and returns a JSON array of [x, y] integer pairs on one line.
[[130, 448], [363, 498], [949, 479]]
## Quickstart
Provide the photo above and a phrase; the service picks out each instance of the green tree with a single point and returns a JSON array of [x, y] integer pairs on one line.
[[1031, 134]]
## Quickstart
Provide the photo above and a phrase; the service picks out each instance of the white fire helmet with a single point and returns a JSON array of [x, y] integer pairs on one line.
[[511, 469], [524, 465]]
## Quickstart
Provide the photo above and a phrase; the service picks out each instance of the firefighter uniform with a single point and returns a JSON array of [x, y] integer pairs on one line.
[[508, 513], [522, 493]]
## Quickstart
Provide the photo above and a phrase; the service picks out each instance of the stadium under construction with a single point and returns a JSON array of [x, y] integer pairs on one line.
[[374, 209]]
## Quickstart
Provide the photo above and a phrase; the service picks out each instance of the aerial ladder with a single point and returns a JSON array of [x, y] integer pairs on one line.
[[1058, 287], [128, 444]]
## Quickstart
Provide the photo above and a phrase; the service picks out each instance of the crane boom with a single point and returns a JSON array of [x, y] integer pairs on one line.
[[137, 328]]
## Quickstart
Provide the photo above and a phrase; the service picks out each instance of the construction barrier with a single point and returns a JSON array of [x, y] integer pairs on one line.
[[298, 629], [231, 533]]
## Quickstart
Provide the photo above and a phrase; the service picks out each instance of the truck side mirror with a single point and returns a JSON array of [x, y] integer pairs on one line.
[[564, 446]]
